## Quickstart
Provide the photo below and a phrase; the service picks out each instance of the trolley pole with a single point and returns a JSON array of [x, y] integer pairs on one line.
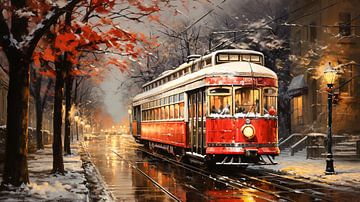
[[329, 156]]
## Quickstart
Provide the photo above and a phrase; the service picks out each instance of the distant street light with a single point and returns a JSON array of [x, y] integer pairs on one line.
[[330, 76]]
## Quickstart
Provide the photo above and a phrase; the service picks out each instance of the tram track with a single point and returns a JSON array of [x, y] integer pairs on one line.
[[237, 182], [232, 183], [163, 189]]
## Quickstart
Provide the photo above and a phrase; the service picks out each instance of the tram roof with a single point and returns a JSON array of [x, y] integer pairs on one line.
[[226, 69], [210, 55]]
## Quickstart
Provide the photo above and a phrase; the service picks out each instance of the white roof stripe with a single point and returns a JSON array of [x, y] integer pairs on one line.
[[245, 69]]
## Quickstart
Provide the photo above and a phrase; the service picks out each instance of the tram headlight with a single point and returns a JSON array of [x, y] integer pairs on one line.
[[248, 131]]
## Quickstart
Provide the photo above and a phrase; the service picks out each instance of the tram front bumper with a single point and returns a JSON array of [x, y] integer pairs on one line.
[[243, 151]]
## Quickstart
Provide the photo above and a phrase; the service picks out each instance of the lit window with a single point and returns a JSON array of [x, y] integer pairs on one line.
[[247, 100], [181, 109], [246, 58], [270, 100], [234, 58], [176, 111], [223, 57], [220, 101], [171, 112]]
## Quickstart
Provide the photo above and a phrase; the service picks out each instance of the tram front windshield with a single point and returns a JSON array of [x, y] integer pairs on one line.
[[242, 101], [247, 100]]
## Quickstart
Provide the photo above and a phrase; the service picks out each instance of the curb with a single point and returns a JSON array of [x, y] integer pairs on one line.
[[98, 189]]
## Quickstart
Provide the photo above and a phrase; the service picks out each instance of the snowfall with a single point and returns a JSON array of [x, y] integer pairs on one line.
[[298, 166], [44, 186]]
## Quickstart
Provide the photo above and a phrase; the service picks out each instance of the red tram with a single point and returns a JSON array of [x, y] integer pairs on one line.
[[218, 108]]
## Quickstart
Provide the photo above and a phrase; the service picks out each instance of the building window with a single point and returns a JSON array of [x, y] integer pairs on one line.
[[344, 24], [297, 110], [312, 32]]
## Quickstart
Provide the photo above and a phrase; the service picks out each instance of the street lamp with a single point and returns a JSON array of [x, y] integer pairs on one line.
[[330, 76]]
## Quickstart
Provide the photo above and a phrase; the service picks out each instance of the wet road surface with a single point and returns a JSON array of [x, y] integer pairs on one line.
[[132, 175]]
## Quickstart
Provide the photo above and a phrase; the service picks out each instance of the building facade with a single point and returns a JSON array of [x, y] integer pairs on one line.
[[323, 32]]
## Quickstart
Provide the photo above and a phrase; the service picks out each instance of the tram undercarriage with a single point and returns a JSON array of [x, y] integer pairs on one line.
[[244, 160]]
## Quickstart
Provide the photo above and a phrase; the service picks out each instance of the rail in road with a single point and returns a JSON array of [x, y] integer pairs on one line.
[[282, 187], [163, 189], [180, 181]]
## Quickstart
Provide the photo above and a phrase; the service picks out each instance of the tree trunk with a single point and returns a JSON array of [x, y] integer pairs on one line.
[[68, 90], [39, 113], [16, 168], [58, 163]]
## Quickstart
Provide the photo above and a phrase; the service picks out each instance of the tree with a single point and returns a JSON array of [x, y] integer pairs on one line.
[[16, 18], [41, 97], [18, 45]]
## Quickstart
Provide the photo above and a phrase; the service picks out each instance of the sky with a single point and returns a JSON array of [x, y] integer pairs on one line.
[[113, 98]]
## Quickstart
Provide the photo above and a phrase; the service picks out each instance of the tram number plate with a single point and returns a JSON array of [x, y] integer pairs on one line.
[[251, 152]]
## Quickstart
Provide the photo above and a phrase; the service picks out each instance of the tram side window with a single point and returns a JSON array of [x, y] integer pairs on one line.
[[171, 111], [176, 111], [220, 101], [181, 109], [270, 101], [167, 112], [247, 100]]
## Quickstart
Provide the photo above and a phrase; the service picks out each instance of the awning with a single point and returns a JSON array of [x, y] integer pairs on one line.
[[297, 86]]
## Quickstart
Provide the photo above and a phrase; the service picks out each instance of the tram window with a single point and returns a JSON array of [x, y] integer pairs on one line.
[[171, 111], [176, 111], [220, 104], [166, 112], [270, 101], [219, 91], [170, 99], [162, 116], [176, 98], [247, 100], [180, 73], [234, 57], [181, 97], [208, 61], [223, 57], [181, 109], [246, 58], [255, 58], [161, 102], [204, 106]]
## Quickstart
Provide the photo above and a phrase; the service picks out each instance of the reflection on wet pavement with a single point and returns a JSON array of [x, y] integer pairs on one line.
[[128, 184], [126, 170]]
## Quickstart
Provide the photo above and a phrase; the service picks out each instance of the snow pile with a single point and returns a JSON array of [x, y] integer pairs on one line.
[[47, 190], [45, 186]]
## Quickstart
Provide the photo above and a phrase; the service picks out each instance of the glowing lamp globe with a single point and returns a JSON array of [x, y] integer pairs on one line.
[[329, 74]]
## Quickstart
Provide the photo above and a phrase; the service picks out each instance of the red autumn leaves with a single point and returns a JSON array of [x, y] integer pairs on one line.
[[102, 36]]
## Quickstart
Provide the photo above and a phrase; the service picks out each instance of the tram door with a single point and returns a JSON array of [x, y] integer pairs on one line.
[[136, 121], [197, 131]]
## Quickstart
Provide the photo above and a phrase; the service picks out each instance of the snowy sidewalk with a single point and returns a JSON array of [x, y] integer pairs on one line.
[[347, 172], [48, 187]]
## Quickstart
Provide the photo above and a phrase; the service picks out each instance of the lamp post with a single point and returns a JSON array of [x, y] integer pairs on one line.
[[330, 76]]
